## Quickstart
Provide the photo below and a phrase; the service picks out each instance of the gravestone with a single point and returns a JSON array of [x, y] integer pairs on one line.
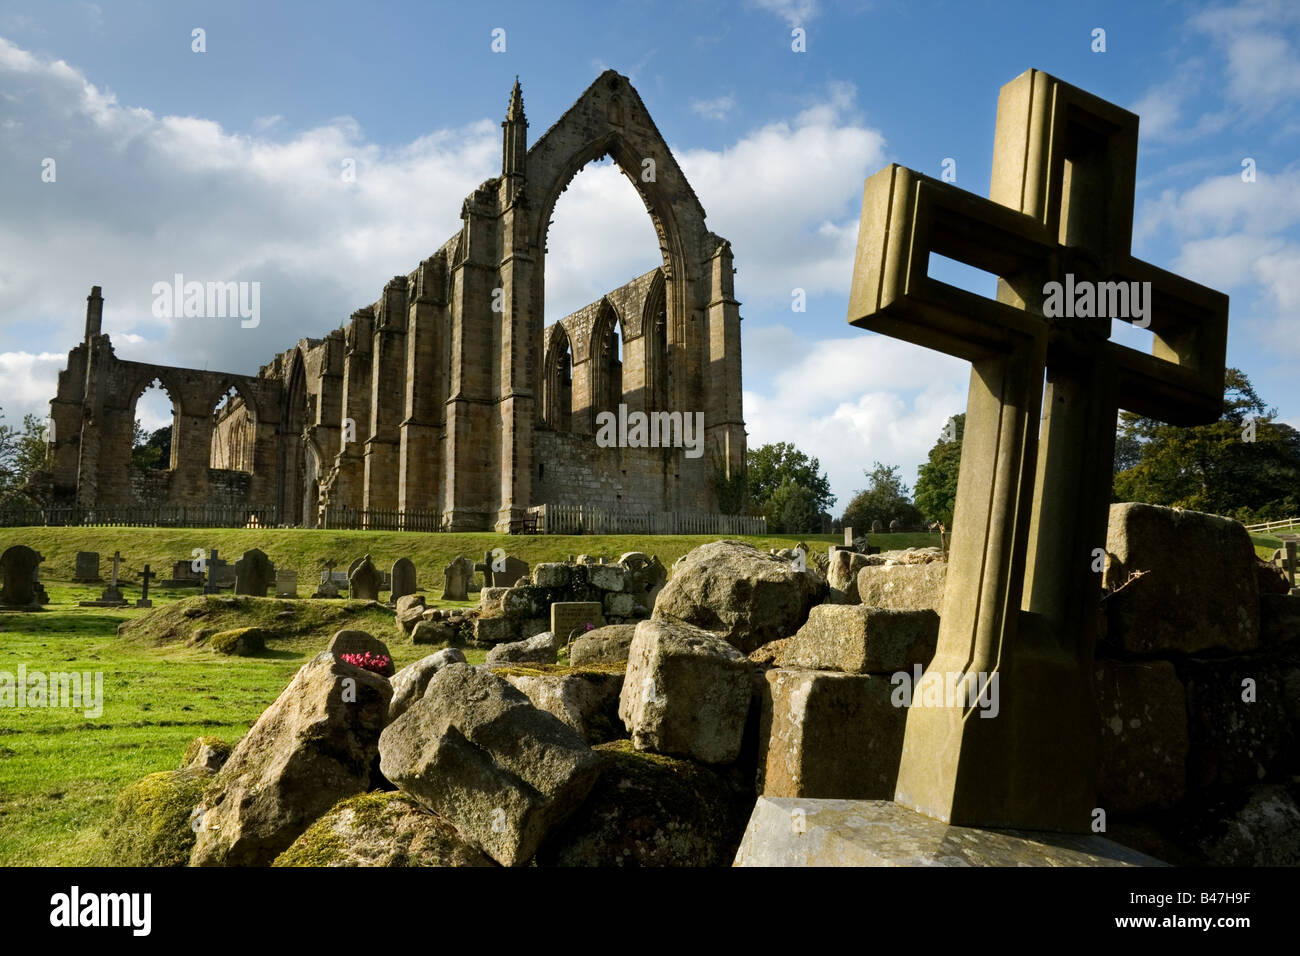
[[877, 527], [87, 569], [111, 596], [286, 584], [455, 579], [364, 581], [213, 568], [502, 572], [183, 576], [145, 577], [567, 616], [328, 587], [1032, 500], [848, 537], [486, 567], [254, 573], [403, 578], [19, 566]]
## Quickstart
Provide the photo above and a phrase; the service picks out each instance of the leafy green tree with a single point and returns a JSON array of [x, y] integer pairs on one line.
[[936, 482], [23, 452], [791, 509], [145, 453], [771, 468], [1246, 465], [885, 499]]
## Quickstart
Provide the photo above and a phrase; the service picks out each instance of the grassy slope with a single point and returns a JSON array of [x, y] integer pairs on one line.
[[60, 771]]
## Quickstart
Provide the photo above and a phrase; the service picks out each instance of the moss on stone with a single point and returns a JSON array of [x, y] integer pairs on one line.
[[241, 641], [151, 823], [556, 670], [196, 746]]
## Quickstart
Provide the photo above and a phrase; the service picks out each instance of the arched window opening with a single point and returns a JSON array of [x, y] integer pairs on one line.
[[233, 433], [153, 440], [557, 385]]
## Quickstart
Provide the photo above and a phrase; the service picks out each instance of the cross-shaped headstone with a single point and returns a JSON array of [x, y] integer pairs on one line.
[[117, 560], [210, 584], [145, 577], [1022, 588], [486, 567]]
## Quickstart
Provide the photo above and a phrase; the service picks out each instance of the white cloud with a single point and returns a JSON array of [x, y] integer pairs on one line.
[[852, 401], [794, 12], [717, 108], [1257, 38], [26, 379]]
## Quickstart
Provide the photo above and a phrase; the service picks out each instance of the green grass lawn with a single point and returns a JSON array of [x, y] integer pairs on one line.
[[61, 771]]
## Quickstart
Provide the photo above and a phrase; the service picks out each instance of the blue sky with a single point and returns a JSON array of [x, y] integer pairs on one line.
[[224, 164]]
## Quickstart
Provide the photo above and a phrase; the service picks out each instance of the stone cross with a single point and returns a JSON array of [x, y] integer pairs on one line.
[[117, 560], [1022, 590], [145, 577], [486, 568], [210, 585]]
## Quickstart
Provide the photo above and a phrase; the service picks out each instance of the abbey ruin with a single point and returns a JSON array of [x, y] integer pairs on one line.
[[448, 395]]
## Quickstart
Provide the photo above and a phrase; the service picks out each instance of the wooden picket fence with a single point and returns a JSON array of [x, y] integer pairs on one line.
[[139, 516], [1267, 526], [586, 519], [383, 519]]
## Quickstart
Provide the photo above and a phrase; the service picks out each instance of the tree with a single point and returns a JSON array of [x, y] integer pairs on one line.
[[885, 499], [788, 487], [792, 510], [22, 453], [1246, 465], [144, 452], [936, 481]]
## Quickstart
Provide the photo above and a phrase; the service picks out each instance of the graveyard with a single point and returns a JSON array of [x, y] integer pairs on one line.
[[404, 596]]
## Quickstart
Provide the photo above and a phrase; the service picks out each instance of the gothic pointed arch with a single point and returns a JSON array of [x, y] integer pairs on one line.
[[557, 381], [605, 355]]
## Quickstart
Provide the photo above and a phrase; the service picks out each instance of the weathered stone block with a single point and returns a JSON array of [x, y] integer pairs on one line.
[[903, 587], [1197, 587], [828, 734], [495, 630], [474, 750], [746, 595], [842, 575], [1236, 740], [585, 700], [551, 575], [1143, 735], [605, 645], [859, 639], [539, 649], [618, 604], [687, 692], [607, 577]]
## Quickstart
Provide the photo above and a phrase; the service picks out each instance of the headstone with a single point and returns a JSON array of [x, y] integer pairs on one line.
[[570, 616], [1033, 490], [877, 527], [894, 526], [328, 587], [19, 565], [486, 567], [183, 576], [403, 578], [254, 573], [215, 565], [145, 577], [848, 536], [286, 584], [455, 579], [87, 570], [364, 581], [508, 572], [111, 596]]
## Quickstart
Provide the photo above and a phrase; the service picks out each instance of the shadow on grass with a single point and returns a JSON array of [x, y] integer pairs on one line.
[[104, 625]]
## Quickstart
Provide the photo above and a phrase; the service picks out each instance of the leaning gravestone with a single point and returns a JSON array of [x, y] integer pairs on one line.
[[87, 569], [455, 579], [364, 581], [254, 573], [403, 578], [1033, 490], [19, 566]]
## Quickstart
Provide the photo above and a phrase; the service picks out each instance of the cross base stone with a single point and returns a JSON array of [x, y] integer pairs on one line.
[[794, 831]]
